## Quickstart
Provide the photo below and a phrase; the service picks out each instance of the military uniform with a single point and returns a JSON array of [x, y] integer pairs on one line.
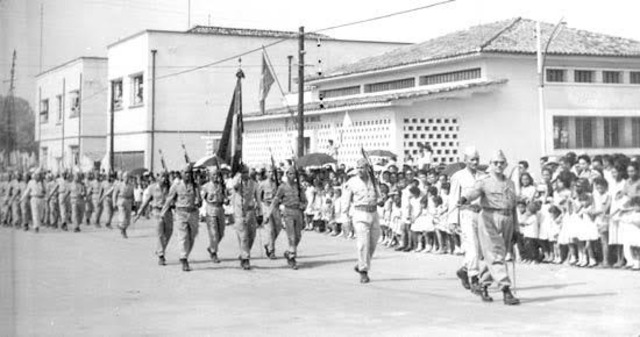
[[294, 203], [93, 192], [361, 197], [213, 196], [25, 204], [243, 200], [77, 193], [16, 208], [106, 194], [63, 201], [272, 222], [53, 211], [88, 205], [156, 198], [4, 188], [123, 199], [35, 193], [185, 219]]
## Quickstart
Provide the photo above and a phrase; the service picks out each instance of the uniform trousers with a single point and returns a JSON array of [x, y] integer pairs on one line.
[[245, 226], [186, 223], [97, 210], [293, 225], [367, 229], [164, 229], [65, 209], [495, 230], [107, 207], [37, 211], [53, 213], [124, 211], [16, 214], [272, 228], [25, 206], [469, 241], [215, 226], [77, 212], [88, 210]]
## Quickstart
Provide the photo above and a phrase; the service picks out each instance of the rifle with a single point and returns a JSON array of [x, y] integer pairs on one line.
[[224, 188], [370, 172], [55, 189], [295, 167], [275, 171], [196, 186], [164, 165]]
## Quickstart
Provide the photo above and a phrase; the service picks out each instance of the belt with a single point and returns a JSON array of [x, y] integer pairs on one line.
[[186, 209], [505, 212], [215, 204], [367, 208], [38, 196]]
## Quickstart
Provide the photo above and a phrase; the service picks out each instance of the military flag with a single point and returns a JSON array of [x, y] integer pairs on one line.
[[230, 149], [266, 81]]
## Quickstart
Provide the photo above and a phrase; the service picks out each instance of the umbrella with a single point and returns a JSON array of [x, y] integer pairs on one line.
[[381, 153], [208, 161], [138, 171], [315, 159], [450, 169]]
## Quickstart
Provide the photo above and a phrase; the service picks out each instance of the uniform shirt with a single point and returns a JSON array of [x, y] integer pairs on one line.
[[182, 195], [51, 189], [23, 187], [77, 191], [106, 190], [16, 190], [244, 196], [123, 190], [461, 182], [213, 195], [94, 189], [35, 189], [267, 190], [63, 187], [288, 195], [359, 193], [156, 196], [493, 193]]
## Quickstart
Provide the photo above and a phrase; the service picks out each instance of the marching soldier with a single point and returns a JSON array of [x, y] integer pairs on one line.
[[4, 189], [156, 197], [213, 194], [64, 183], [466, 217], [77, 194], [16, 192], [106, 198], [25, 202], [361, 194], [244, 198], [35, 193], [184, 195], [272, 223], [123, 199], [53, 213], [89, 183], [495, 226], [294, 202], [93, 191]]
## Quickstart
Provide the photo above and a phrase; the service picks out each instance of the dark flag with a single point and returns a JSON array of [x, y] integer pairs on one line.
[[266, 81], [230, 149]]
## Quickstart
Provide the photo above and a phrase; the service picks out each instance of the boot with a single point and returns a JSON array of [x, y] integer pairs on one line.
[[76, 230], [213, 255], [161, 260], [244, 263], [364, 276], [509, 299], [185, 265], [484, 294], [476, 288], [123, 232], [464, 278]]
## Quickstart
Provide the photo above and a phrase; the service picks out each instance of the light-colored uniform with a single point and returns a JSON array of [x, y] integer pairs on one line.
[[156, 198], [36, 192], [361, 197], [213, 196], [63, 201], [273, 225], [88, 204], [4, 189], [16, 213], [25, 204], [466, 217], [294, 203], [106, 193], [185, 219], [123, 199], [496, 224], [77, 193], [244, 201], [53, 214], [93, 192]]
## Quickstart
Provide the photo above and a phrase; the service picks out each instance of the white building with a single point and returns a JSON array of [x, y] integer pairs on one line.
[[473, 87], [194, 82], [71, 124]]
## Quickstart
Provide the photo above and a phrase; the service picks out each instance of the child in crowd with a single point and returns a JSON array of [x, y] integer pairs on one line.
[[412, 210], [561, 199], [554, 220], [530, 228], [441, 225], [527, 188], [382, 202], [600, 213], [396, 219], [337, 209], [586, 231], [328, 213]]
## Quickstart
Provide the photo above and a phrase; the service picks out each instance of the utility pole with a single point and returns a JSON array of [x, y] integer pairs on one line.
[[8, 108], [188, 14], [111, 142], [153, 107], [301, 92], [41, 34]]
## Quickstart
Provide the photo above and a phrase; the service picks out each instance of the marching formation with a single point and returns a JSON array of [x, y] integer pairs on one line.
[[584, 211]]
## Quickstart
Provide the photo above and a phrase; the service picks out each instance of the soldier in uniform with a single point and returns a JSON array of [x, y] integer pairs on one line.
[[156, 197], [53, 213], [294, 202], [361, 195], [25, 202], [213, 195], [244, 203], [184, 195], [77, 193], [496, 223], [89, 183], [64, 183], [123, 199], [4, 189], [16, 192], [35, 193], [93, 191], [272, 223], [106, 198], [466, 217]]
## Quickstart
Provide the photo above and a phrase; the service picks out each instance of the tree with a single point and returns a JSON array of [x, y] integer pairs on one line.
[[23, 120]]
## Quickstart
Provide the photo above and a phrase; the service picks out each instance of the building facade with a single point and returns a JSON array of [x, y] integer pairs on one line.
[[188, 99], [475, 87], [70, 124]]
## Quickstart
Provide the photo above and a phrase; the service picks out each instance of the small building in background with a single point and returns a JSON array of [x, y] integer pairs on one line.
[[71, 115]]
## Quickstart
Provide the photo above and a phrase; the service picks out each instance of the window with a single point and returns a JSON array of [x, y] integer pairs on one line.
[[584, 132], [74, 103], [44, 157], [583, 76], [347, 91], [59, 109], [560, 132], [635, 131], [44, 111], [137, 84], [555, 75], [634, 77], [612, 131], [75, 155], [116, 94], [390, 85], [611, 77], [455, 76]]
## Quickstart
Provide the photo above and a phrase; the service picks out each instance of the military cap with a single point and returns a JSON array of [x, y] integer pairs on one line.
[[498, 156], [362, 162]]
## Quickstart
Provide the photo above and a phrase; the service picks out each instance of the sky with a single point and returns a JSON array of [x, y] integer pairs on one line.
[[74, 28]]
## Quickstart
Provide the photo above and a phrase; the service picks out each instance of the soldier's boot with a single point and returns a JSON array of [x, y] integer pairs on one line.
[[37, 230], [76, 230], [508, 298], [475, 286], [244, 264], [213, 255], [64, 227], [26, 227], [291, 260], [123, 232], [162, 261], [464, 278], [484, 294], [185, 265], [267, 252], [364, 276]]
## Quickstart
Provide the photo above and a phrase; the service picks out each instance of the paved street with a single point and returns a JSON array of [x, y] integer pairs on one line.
[[96, 284]]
